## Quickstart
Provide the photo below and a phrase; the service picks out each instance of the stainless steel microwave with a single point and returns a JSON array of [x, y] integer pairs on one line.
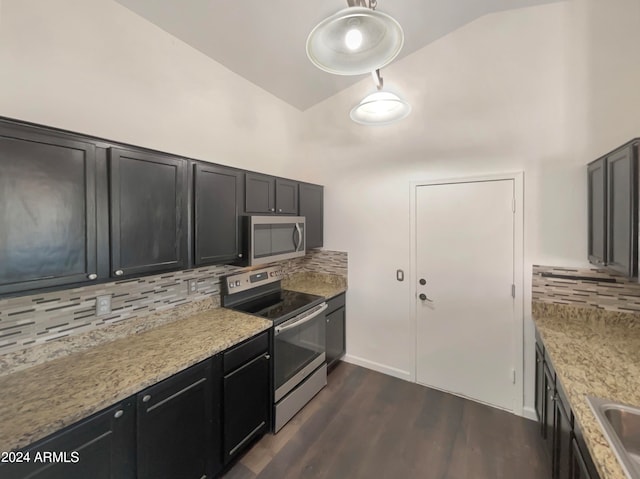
[[273, 238]]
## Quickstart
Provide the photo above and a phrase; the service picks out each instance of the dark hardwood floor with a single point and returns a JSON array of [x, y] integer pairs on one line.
[[368, 425]]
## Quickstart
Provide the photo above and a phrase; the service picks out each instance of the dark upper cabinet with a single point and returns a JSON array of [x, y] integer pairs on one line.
[[311, 201], [613, 210], [246, 395], [260, 194], [217, 200], [148, 198], [47, 210], [622, 211], [176, 426], [597, 211], [335, 317], [100, 447], [267, 195], [286, 197]]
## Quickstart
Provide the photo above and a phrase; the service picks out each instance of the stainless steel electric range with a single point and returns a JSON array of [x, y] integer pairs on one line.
[[299, 360]]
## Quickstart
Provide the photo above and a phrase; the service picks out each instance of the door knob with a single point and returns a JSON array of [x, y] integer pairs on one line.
[[423, 297], [423, 281]]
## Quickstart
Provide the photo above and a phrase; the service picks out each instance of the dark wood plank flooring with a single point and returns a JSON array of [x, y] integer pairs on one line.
[[368, 425]]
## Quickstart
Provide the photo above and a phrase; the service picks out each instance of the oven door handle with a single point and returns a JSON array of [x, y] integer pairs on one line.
[[287, 325]]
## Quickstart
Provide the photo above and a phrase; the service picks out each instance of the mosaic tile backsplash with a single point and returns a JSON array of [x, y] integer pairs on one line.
[[585, 287], [32, 320]]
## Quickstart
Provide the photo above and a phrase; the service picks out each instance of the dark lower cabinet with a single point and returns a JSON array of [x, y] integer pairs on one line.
[[99, 447], [562, 440], [568, 456], [148, 196], [176, 427], [246, 395], [539, 387], [217, 199], [548, 419], [579, 468], [335, 317], [48, 223], [311, 201]]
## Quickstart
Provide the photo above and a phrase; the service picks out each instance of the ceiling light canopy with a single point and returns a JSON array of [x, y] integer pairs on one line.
[[355, 40], [381, 107]]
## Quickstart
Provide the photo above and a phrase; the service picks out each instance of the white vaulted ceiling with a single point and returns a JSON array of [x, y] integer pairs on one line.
[[264, 41]]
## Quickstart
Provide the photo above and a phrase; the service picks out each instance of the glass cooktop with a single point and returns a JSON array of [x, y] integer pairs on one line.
[[279, 305]]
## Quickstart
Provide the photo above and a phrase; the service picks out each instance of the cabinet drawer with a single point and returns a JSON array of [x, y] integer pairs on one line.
[[336, 302], [244, 352]]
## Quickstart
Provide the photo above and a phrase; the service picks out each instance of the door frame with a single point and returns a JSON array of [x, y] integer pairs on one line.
[[518, 272]]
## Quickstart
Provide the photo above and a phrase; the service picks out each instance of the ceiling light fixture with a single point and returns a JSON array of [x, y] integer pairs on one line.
[[381, 107], [355, 40]]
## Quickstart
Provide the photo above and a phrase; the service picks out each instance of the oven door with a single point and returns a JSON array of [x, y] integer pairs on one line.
[[299, 349]]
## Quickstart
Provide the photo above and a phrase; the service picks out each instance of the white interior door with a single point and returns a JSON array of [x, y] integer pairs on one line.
[[465, 255]]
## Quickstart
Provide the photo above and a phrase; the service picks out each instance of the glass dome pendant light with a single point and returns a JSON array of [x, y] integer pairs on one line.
[[356, 40], [381, 107]]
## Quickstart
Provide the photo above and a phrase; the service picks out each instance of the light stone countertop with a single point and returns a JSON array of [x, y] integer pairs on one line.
[[43, 399], [320, 284], [595, 353]]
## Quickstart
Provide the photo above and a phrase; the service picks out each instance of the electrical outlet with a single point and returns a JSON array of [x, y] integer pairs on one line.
[[103, 305], [192, 286]]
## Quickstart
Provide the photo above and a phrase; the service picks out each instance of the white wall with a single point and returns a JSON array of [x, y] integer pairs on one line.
[[524, 90], [95, 67]]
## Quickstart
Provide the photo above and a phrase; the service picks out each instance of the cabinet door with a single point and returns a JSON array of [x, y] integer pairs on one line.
[[259, 193], [99, 447], [148, 213], [540, 394], [561, 441], [622, 217], [175, 426], [286, 197], [312, 207], [548, 424], [47, 210], [579, 468], [246, 405], [335, 336], [217, 200], [597, 211]]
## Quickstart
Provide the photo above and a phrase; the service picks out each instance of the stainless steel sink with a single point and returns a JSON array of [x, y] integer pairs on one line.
[[621, 426]]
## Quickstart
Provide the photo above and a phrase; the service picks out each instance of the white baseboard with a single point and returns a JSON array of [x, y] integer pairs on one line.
[[529, 413], [381, 368]]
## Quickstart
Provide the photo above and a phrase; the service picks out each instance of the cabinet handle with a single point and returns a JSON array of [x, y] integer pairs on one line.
[[267, 356], [240, 255], [146, 398], [119, 413], [537, 360], [279, 210], [92, 276], [119, 272], [271, 209]]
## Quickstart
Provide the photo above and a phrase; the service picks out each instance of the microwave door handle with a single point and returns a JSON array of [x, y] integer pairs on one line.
[[280, 329], [299, 243]]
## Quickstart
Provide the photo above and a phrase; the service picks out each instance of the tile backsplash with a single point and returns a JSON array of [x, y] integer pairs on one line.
[[585, 287], [27, 321]]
